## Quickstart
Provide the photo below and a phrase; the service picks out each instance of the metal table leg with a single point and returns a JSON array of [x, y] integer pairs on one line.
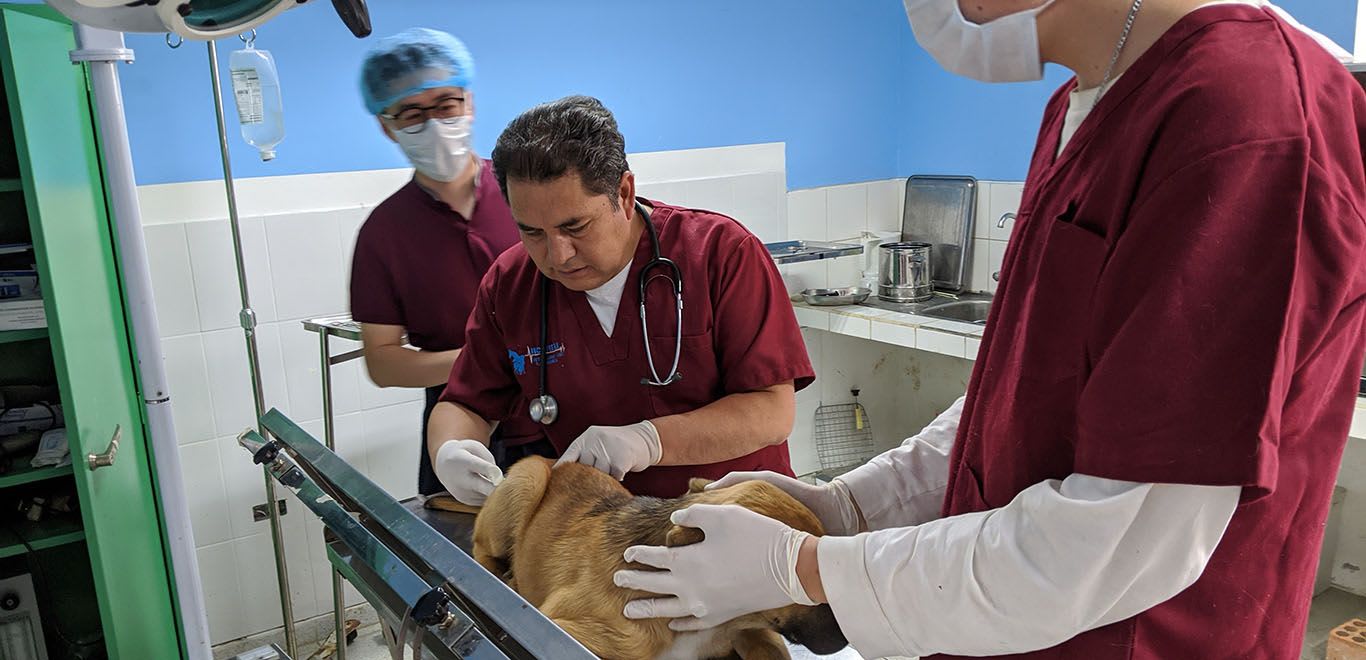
[[329, 436]]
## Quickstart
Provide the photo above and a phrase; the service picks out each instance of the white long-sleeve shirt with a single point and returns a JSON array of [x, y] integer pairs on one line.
[[1062, 558]]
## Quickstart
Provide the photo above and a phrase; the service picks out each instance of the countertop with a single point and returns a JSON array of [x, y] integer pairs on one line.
[[925, 333]]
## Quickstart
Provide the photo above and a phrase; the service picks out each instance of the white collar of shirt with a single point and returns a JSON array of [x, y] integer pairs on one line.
[[607, 298]]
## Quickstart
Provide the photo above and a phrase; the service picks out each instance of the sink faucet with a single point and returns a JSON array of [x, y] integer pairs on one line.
[[1005, 217]]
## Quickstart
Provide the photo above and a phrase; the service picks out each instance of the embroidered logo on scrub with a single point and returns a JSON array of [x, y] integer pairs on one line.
[[554, 352]]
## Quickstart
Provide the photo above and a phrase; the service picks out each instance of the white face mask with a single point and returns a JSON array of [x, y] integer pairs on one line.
[[1002, 50], [441, 150]]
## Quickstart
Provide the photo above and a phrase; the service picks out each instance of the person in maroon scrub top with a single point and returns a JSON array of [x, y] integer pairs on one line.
[[558, 323], [421, 253], [1144, 458]]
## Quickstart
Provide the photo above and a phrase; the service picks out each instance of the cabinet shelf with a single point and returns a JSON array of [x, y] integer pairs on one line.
[[30, 474], [11, 185], [11, 336], [40, 535]]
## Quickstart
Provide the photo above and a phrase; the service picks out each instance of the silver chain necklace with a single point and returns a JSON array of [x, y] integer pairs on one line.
[[1119, 50]]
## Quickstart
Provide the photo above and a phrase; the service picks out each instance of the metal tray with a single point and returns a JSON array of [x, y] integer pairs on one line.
[[831, 297], [795, 252], [941, 210]]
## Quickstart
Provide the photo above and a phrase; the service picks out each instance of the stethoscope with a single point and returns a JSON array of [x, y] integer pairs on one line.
[[544, 408]]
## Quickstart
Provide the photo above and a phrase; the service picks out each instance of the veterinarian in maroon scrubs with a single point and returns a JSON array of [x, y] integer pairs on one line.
[[422, 252], [1143, 462], [558, 329]]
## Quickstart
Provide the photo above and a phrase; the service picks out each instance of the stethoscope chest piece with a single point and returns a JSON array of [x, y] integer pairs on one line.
[[544, 409]]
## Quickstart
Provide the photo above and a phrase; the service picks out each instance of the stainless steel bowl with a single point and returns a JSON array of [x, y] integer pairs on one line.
[[845, 296]]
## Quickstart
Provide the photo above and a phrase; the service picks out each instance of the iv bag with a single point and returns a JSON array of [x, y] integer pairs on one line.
[[256, 89]]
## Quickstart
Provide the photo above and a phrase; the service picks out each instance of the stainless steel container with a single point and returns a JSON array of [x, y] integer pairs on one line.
[[904, 272]]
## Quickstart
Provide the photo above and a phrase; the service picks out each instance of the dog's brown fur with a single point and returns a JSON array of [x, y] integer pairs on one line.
[[557, 536]]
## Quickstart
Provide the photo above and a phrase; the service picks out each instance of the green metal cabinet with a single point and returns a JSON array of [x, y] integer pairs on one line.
[[60, 173]]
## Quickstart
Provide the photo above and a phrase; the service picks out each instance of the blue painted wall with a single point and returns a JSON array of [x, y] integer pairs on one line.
[[818, 75], [842, 83], [958, 126]]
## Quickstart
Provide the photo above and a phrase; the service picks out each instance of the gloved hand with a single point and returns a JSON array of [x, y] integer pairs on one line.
[[746, 563], [831, 503], [467, 470], [616, 450]]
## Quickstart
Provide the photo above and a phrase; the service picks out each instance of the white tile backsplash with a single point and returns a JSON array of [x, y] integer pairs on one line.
[[222, 595], [393, 438], [217, 294], [996, 252], [886, 199], [846, 211], [844, 271], [806, 213], [1004, 198], [234, 406], [187, 374], [305, 265], [760, 204], [710, 194], [168, 259], [204, 473], [979, 272], [302, 355]]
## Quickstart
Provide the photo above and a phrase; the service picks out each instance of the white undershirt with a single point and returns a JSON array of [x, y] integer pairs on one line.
[[606, 299]]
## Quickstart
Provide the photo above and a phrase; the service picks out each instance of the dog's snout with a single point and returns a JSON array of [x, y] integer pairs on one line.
[[817, 630]]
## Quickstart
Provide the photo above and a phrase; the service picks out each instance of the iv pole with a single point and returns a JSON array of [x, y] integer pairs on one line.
[[248, 321]]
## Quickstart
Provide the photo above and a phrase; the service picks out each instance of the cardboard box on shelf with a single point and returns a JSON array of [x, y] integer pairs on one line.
[[22, 314]]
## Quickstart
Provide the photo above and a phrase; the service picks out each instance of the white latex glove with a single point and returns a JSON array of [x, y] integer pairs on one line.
[[831, 503], [746, 563], [467, 470], [616, 450]]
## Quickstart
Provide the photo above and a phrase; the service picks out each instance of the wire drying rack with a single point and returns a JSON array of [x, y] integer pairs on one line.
[[844, 435]]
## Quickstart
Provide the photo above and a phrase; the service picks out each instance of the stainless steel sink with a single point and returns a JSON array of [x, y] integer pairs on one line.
[[966, 308], [967, 311]]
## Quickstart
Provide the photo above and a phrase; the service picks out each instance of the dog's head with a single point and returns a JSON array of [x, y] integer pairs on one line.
[[812, 627]]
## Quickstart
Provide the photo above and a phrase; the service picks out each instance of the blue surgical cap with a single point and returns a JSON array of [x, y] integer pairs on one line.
[[411, 61]]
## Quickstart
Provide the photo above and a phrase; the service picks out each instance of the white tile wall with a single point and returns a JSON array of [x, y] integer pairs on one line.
[[217, 296], [168, 257], [187, 374], [306, 264]]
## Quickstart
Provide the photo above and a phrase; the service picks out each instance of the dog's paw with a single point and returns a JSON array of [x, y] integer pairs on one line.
[[698, 484]]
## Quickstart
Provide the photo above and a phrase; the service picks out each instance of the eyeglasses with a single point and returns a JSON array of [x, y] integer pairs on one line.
[[413, 119]]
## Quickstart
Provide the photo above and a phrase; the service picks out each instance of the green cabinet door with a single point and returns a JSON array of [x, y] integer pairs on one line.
[[58, 160]]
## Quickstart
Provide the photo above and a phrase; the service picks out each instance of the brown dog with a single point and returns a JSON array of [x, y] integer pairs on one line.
[[557, 536]]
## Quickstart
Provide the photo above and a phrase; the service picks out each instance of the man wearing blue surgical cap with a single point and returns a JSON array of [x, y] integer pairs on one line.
[[422, 252]]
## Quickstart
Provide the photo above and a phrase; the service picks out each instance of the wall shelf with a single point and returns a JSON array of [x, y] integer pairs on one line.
[[11, 336], [40, 535], [30, 475]]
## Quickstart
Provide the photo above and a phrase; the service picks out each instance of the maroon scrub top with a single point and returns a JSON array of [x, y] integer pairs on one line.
[[1183, 303], [739, 335], [418, 263]]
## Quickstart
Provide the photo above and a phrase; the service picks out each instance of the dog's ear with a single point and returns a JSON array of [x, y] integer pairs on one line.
[[680, 535], [697, 484]]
